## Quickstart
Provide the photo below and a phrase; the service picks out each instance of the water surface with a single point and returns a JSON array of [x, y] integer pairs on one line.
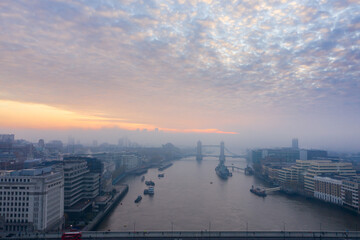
[[192, 197]]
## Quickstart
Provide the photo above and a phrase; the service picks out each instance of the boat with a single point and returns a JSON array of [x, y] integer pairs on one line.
[[161, 175], [150, 183], [143, 178], [258, 191], [249, 171], [138, 199], [222, 171], [151, 190], [165, 166]]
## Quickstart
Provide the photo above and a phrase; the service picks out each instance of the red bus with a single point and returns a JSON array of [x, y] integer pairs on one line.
[[71, 236]]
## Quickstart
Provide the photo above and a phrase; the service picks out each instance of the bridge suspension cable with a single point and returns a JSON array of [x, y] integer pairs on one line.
[[227, 150]]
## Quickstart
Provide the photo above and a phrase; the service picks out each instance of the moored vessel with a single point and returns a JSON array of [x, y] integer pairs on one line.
[[249, 171], [258, 191], [149, 191], [222, 171], [150, 183], [138, 199]]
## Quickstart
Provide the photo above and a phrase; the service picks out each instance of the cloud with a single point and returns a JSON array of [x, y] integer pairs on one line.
[[182, 64]]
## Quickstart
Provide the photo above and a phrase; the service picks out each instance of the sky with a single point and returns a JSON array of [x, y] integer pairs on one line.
[[253, 73]]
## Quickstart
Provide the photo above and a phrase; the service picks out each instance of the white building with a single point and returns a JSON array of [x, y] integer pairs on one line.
[[130, 161], [81, 186], [328, 189], [31, 200]]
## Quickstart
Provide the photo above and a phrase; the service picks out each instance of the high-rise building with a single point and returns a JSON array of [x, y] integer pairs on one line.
[[9, 138], [31, 200], [81, 186], [130, 161], [295, 143], [41, 143]]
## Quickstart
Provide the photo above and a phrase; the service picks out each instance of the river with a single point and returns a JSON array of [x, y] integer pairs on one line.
[[192, 197]]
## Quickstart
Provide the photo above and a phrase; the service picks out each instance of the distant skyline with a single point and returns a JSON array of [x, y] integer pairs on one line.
[[253, 73]]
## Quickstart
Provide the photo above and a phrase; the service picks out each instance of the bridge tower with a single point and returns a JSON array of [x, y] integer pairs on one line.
[[222, 152], [199, 156]]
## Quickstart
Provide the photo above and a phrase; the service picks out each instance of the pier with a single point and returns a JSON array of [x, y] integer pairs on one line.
[[122, 191]]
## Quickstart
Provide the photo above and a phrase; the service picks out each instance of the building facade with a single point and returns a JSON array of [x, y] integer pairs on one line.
[[350, 193], [328, 189], [80, 186], [31, 200], [320, 167]]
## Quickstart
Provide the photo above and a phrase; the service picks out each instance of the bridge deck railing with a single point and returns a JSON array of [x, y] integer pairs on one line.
[[204, 234]]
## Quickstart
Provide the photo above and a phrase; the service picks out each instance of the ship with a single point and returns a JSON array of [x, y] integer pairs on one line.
[[222, 171], [150, 183], [149, 191], [138, 199], [258, 191], [249, 171]]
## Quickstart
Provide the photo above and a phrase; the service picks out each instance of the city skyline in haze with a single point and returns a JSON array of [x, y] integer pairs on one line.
[[255, 74]]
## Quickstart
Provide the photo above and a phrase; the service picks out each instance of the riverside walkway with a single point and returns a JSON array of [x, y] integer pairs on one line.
[[189, 235]]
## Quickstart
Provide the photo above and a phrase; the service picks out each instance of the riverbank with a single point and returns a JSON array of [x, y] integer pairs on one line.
[[122, 190], [306, 196], [142, 170]]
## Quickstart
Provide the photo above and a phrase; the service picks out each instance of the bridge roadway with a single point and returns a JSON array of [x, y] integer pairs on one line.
[[228, 156], [190, 235]]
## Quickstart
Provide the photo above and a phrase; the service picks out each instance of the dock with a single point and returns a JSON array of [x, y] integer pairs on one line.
[[122, 191]]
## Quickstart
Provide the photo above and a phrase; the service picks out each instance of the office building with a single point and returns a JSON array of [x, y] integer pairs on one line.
[[81, 186], [325, 167], [295, 143], [31, 200], [350, 193], [313, 154], [328, 189], [7, 138]]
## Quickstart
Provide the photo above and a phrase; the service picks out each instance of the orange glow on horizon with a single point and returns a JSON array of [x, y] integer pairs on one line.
[[39, 116], [196, 131]]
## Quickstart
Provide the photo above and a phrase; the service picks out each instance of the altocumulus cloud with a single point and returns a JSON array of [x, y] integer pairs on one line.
[[179, 64]]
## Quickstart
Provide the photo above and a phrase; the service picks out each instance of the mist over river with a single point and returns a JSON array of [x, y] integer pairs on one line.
[[192, 197]]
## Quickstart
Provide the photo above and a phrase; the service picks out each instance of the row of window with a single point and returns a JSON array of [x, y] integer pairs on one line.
[[15, 209], [16, 228], [15, 199], [16, 215], [16, 221], [13, 193], [14, 204], [7, 187], [14, 179], [54, 184]]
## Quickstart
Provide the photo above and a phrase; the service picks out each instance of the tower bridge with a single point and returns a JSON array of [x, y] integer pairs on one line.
[[200, 155]]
